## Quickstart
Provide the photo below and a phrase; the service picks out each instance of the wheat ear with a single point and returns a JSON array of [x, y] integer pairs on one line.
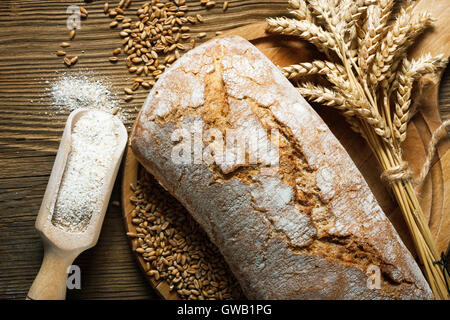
[[351, 13], [326, 12], [409, 72], [315, 67], [331, 98], [301, 10], [403, 100], [325, 96], [370, 41], [322, 39]]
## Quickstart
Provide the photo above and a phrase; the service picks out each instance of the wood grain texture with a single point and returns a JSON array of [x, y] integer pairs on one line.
[[30, 32]]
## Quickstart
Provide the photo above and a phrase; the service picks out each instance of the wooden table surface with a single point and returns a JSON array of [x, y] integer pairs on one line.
[[30, 32]]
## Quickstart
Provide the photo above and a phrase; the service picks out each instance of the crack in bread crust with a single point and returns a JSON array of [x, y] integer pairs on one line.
[[345, 250], [295, 172], [221, 108]]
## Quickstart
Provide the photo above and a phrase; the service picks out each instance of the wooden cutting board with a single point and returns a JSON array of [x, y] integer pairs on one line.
[[434, 193]]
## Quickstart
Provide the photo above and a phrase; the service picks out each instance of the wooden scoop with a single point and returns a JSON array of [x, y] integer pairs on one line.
[[62, 247]]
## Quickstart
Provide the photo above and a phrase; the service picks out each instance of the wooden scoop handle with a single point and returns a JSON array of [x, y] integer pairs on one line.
[[50, 282]]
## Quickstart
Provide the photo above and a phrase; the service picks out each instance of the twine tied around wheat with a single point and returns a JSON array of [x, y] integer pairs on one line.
[[403, 172]]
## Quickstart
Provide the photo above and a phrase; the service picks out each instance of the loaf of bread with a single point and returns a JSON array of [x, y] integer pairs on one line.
[[227, 135]]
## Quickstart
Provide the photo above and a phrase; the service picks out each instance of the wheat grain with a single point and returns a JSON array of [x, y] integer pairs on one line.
[[199, 17], [74, 60], [83, 12], [155, 37], [210, 4], [66, 61], [174, 247]]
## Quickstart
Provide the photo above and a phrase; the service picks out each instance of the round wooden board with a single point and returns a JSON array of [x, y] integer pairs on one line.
[[434, 193], [130, 176]]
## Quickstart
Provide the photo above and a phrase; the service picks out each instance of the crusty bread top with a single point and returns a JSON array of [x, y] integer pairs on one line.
[[313, 209]]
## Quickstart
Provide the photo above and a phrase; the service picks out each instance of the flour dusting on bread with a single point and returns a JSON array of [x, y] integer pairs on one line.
[[303, 227]]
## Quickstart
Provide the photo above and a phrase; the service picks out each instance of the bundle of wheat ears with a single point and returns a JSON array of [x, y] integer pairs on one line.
[[370, 80]]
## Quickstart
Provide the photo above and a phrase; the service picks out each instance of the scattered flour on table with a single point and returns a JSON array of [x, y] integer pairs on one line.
[[82, 90], [95, 137]]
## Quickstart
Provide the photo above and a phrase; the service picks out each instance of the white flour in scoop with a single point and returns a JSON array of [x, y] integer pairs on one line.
[[94, 140]]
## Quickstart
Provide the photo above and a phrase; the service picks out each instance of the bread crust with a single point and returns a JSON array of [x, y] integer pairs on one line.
[[306, 228]]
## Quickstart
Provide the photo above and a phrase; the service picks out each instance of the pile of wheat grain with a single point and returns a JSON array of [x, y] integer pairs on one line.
[[175, 248]]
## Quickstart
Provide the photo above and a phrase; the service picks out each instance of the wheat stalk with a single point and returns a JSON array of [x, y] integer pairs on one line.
[[372, 85], [363, 108]]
